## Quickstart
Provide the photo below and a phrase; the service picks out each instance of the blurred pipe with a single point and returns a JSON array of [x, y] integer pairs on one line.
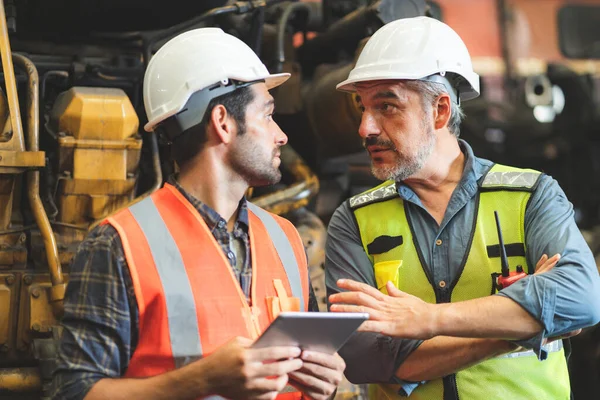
[[158, 178], [281, 27], [343, 35], [296, 195], [57, 291], [256, 32], [151, 40], [503, 23], [62, 74], [20, 380], [9, 79]]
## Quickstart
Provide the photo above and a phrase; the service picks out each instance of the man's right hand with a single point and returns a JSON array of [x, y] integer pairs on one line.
[[545, 264], [236, 371]]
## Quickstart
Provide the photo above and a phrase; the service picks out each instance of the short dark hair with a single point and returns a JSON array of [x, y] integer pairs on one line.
[[188, 144]]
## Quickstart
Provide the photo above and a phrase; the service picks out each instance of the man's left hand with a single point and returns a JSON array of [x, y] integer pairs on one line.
[[319, 376]]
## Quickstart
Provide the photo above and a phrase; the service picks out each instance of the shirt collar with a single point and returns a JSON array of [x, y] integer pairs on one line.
[[210, 216]]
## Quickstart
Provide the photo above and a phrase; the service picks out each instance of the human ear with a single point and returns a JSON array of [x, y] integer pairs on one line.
[[442, 111], [222, 123]]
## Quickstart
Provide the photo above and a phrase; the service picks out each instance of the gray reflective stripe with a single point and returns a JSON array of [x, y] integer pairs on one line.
[[284, 250], [373, 195], [550, 348], [510, 179], [181, 306]]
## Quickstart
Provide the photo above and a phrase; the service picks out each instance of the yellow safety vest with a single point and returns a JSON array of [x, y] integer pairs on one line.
[[387, 237]]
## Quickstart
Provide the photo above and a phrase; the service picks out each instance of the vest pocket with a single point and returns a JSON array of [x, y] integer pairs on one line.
[[275, 305], [282, 302], [387, 271]]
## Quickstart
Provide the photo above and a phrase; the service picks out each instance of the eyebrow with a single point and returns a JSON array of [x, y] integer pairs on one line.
[[269, 103], [386, 95]]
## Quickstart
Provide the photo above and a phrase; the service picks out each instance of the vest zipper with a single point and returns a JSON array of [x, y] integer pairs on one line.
[[445, 296], [442, 295], [449, 382]]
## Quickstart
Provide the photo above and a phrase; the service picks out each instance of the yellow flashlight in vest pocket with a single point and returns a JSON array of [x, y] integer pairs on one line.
[[387, 271]]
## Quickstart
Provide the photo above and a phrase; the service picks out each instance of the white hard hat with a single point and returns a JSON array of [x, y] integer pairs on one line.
[[415, 48], [196, 60]]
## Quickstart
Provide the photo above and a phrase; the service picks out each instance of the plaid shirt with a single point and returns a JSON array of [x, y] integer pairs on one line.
[[100, 323]]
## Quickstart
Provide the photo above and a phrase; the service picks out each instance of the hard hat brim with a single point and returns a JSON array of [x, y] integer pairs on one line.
[[275, 80], [272, 81], [467, 93]]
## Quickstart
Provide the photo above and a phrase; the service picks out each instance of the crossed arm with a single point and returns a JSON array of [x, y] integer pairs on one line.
[[559, 302], [406, 316]]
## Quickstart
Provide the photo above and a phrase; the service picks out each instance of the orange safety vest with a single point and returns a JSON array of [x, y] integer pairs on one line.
[[190, 302]]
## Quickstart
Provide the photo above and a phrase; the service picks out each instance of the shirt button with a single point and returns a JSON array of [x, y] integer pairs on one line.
[[230, 255], [442, 284], [221, 224], [438, 242]]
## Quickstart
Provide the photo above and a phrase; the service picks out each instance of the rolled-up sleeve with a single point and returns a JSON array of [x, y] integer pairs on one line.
[[99, 319], [369, 357], [567, 297]]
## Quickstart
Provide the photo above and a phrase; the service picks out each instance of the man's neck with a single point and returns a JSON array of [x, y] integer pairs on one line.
[[213, 184], [443, 168], [436, 181]]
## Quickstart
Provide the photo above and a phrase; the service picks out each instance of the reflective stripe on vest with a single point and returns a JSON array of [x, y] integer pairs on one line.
[[284, 250], [404, 265], [189, 300], [179, 299]]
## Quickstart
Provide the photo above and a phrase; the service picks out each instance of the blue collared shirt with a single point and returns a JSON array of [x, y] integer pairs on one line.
[[564, 299]]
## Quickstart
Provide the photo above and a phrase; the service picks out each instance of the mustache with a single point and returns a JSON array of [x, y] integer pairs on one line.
[[377, 141]]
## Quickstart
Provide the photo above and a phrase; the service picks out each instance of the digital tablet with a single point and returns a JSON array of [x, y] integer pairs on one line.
[[324, 332]]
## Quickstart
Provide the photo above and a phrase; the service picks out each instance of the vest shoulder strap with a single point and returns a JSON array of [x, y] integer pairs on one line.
[[385, 191], [284, 250], [503, 177]]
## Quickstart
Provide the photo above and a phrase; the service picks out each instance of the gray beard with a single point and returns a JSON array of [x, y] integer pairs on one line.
[[405, 168]]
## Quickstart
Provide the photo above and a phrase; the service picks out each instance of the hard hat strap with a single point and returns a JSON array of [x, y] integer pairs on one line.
[[193, 112], [442, 79]]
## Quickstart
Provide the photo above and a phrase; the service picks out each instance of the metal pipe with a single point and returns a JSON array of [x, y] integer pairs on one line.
[[19, 380], [256, 32], [158, 178], [57, 291], [9, 79], [17, 230], [150, 40], [63, 74], [294, 196], [281, 26], [503, 23]]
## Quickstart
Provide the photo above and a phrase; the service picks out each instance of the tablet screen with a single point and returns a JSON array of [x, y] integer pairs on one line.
[[323, 332]]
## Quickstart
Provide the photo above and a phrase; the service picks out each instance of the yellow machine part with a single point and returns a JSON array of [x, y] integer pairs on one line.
[[99, 152], [95, 113]]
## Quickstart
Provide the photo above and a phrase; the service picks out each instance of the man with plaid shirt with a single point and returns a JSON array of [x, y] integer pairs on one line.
[[174, 288]]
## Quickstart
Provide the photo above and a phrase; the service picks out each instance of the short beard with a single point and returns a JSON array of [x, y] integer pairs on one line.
[[407, 166], [245, 159]]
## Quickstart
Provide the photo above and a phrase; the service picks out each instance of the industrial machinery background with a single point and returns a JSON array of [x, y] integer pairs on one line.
[[74, 69]]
